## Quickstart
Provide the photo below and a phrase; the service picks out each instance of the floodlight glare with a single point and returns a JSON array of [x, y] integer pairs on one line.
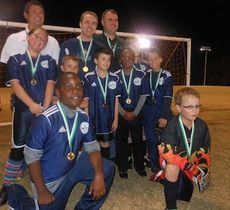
[[205, 48], [143, 42]]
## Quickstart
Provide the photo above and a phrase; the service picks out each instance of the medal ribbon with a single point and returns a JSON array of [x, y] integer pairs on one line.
[[33, 67], [151, 85], [104, 91], [71, 134], [127, 87], [110, 46], [185, 139], [85, 54]]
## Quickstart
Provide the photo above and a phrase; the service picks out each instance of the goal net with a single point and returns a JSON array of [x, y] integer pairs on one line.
[[176, 51]]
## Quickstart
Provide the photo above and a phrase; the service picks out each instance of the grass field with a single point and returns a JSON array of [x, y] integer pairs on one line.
[[138, 193]]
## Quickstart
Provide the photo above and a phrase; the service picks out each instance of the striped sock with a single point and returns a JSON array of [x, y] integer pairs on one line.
[[11, 170]]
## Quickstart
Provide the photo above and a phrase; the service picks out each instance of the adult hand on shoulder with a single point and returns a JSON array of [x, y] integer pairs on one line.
[[162, 122], [97, 187]]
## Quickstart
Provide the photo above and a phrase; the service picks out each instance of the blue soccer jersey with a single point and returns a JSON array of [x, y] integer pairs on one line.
[[161, 95], [137, 88], [48, 140], [73, 47], [141, 66], [19, 68], [101, 110]]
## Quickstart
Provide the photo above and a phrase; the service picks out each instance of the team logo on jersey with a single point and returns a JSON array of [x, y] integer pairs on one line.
[[137, 81], [45, 64], [84, 127], [93, 84], [161, 81], [112, 85], [23, 63], [62, 130], [66, 51]]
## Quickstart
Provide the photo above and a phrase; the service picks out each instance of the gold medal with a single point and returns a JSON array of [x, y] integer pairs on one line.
[[85, 69], [33, 82], [128, 101], [70, 156]]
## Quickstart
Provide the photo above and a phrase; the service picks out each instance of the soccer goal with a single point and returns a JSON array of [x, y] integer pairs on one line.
[[176, 51]]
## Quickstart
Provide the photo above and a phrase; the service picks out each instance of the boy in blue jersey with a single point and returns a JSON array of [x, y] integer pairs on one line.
[[83, 46], [52, 152], [102, 93], [133, 91], [157, 108], [32, 77], [70, 63]]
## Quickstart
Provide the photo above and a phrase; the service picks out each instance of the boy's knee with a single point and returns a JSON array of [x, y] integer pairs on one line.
[[172, 172]]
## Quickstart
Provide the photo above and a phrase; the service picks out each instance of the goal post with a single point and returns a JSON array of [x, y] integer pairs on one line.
[[176, 51]]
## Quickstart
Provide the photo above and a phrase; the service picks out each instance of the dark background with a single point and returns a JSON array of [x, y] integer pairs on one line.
[[206, 22]]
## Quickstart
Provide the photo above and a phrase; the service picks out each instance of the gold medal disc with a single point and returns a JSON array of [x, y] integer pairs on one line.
[[70, 156], [128, 101], [33, 82], [85, 69]]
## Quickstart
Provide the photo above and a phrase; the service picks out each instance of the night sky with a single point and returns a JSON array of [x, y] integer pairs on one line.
[[205, 22]]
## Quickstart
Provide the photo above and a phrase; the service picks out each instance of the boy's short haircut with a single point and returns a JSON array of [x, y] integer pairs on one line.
[[155, 50], [187, 91], [63, 75], [70, 57], [103, 50], [30, 3]]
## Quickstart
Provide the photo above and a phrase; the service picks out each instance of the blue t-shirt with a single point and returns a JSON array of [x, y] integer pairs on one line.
[[48, 141], [101, 113], [19, 68], [138, 87]]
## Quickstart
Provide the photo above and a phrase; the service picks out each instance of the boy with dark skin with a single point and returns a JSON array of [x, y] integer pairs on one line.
[[60, 132]]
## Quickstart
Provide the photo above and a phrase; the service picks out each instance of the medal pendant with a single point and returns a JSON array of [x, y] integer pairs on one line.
[[128, 101], [70, 156], [33, 82], [85, 69]]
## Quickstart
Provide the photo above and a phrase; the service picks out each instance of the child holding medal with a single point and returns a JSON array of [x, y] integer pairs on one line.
[[32, 77], [53, 155], [184, 150], [102, 92], [133, 91], [157, 108]]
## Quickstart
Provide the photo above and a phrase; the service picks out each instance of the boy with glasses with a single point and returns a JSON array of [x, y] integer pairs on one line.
[[184, 151]]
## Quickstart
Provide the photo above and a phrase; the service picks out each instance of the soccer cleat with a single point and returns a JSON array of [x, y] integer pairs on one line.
[[3, 195], [142, 173], [147, 162], [123, 175]]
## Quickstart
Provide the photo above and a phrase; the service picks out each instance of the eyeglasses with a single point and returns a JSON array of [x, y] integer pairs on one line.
[[191, 107]]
